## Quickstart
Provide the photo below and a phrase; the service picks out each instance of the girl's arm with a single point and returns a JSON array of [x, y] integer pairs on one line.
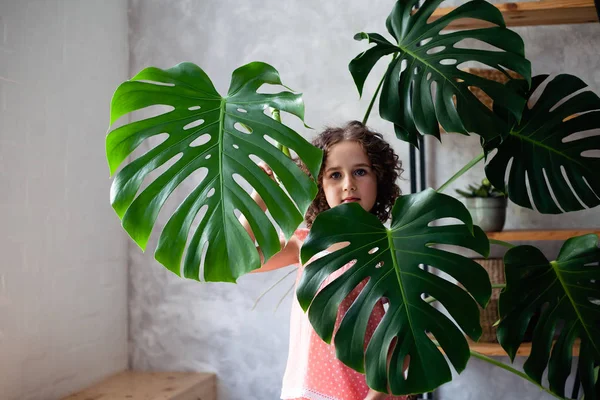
[[290, 253], [260, 202], [374, 395]]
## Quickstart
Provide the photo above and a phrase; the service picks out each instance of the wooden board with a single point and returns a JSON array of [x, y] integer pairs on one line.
[[562, 234], [134, 385], [494, 349], [545, 12]]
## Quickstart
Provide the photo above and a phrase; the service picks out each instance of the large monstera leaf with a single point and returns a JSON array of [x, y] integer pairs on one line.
[[423, 57], [218, 134], [390, 260], [566, 291], [541, 148]]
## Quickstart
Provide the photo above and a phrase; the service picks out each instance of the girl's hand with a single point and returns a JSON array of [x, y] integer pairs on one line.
[[374, 395], [255, 196], [267, 170]]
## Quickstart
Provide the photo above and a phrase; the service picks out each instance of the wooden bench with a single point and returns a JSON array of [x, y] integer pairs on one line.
[[135, 385]]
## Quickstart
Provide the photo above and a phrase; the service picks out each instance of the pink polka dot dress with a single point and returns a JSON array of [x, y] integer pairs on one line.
[[313, 372]]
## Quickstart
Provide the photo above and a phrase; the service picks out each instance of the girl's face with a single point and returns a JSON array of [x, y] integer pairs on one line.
[[348, 176]]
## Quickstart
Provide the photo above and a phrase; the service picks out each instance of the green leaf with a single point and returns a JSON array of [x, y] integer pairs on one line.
[[567, 291], [390, 260], [407, 98], [540, 148], [220, 127], [464, 194]]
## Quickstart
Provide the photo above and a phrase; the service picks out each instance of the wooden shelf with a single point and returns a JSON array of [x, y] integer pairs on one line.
[[494, 349], [136, 385], [563, 234], [544, 12]]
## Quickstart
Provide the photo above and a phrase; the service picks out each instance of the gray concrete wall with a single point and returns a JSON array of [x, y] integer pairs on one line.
[[178, 324], [63, 272]]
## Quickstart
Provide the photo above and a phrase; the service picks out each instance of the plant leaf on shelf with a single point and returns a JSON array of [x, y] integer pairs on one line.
[[543, 145], [423, 57], [566, 291]]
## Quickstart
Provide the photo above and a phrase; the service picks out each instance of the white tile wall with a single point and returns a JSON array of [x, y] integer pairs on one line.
[[63, 262]]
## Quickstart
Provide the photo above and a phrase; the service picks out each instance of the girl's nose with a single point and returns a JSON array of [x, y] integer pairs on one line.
[[349, 184]]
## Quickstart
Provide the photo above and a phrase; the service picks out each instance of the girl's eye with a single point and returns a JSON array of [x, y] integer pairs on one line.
[[335, 175], [360, 172]]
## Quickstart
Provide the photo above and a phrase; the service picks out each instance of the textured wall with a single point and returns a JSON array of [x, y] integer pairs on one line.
[[177, 324], [63, 272]]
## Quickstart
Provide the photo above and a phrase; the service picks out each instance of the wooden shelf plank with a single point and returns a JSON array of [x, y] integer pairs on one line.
[[562, 234], [136, 385], [494, 349], [544, 12]]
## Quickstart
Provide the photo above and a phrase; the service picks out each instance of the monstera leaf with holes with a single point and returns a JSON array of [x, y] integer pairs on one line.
[[545, 151], [390, 260], [567, 291], [218, 134], [422, 58]]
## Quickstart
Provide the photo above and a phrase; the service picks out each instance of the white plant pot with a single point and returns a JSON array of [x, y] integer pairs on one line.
[[489, 213]]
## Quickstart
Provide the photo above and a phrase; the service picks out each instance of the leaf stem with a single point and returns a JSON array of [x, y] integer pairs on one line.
[[271, 288], [464, 169], [366, 117], [501, 243], [429, 299], [513, 370], [276, 115], [507, 368], [284, 296]]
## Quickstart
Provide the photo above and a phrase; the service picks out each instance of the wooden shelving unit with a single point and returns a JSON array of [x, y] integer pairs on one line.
[[544, 12], [534, 13], [561, 234], [495, 350]]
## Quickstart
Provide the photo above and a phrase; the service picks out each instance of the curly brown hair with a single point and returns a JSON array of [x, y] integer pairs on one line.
[[384, 161]]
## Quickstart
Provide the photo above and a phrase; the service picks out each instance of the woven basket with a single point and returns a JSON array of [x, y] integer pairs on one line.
[[487, 73], [491, 74], [495, 269]]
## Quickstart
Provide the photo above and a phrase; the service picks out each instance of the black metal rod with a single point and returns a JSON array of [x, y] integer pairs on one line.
[[576, 385], [413, 189], [413, 169], [422, 163]]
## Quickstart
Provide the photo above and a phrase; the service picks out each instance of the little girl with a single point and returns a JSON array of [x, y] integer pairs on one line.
[[358, 166]]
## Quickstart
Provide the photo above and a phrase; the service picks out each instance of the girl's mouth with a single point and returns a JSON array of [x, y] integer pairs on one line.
[[350, 200]]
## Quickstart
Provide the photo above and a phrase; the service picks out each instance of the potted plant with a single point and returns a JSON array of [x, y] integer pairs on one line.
[[486, 204], [219, 132]]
